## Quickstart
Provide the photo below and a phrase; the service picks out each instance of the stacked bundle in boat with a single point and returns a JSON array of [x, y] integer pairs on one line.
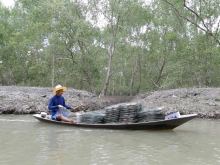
[[94, 117], [128, 112], [151, 114], [112, 114]]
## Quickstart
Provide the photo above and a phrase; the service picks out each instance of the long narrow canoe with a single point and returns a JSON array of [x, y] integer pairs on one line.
[[152, 125]]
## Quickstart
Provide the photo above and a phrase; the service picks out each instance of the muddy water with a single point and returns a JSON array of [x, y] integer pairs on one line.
[[24, 140]]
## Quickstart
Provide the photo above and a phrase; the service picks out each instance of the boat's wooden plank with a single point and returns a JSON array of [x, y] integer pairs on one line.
[[159, 125]]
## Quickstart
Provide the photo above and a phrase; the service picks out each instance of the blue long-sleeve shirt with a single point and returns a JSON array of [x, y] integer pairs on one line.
[[53, 105]]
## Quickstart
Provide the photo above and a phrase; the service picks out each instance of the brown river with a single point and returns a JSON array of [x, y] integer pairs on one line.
[[26, 141]]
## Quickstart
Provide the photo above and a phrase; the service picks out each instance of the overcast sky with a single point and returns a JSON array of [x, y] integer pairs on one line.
[[7, 2]]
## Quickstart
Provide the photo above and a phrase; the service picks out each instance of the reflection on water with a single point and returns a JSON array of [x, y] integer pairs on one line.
[[24, 140]]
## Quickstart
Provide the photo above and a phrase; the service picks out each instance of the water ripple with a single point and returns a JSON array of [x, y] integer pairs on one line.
[[196, 142]]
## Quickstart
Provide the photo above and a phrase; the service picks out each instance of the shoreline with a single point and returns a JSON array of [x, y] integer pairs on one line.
[[205, 102]]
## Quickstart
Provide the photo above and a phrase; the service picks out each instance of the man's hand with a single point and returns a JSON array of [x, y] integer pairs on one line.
[[60, 106], [73, 109]]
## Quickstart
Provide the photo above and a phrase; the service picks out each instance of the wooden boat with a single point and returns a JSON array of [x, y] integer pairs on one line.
[[152, 125]]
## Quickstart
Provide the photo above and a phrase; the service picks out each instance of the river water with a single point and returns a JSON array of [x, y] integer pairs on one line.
[[26, 141]]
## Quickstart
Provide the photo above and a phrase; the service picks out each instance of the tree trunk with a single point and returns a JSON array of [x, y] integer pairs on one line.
[[160, 73], [133, 76], [140, 76], [111, 53], [92, 88], [108, 75]]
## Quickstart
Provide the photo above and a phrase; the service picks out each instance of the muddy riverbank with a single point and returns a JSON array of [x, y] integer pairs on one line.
[[29, 100]]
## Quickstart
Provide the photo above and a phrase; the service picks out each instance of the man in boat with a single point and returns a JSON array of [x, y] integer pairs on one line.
[[56, 102]]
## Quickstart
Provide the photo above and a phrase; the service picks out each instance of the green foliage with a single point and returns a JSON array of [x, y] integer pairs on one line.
[[151, 46]]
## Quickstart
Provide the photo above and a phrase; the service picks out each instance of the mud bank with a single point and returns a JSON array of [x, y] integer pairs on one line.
[[29, 100], [203, 101]]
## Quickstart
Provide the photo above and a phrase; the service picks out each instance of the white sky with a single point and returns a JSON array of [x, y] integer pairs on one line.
[[8, 3]]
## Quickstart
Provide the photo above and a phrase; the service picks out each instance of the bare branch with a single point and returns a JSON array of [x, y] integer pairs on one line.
[[197, 15], [184, 16], [113, 72], [216, 32], [206, 29]]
